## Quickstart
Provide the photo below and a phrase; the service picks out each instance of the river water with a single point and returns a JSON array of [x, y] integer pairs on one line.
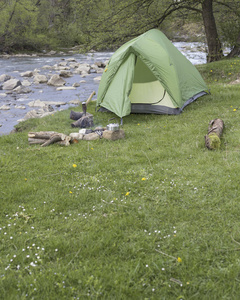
[[14, 65]]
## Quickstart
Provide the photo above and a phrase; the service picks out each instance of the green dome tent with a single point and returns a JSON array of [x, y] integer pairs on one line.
[[149, 75]]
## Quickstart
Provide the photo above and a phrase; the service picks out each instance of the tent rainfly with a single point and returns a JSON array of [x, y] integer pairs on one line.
[[149, 75]]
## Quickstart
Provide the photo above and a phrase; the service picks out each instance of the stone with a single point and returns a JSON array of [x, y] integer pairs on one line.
[[75, 102], [36, 103], [26, 83], [76, 84], [100, 64], [62, 64], [11, 84], [40, 113], [62, 88], [56, 103], [56, 80], [65, 74], [113, 135], [48, 67], [40, 79], [76, 135], [91, 136], [71, 59], [4, 77], [52, 52], [74, 65], [22, 90], [5, 107], [27, 74], [20, 107], [100, 71], [98, 78], [83, 69]]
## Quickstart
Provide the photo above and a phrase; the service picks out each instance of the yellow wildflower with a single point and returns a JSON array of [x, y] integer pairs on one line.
[[143, 178], [179, 259], [70, 192], [234, 109], [74, 165], [127, 193]]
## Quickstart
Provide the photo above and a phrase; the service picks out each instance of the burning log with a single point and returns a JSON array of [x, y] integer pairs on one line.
[[215, 129]]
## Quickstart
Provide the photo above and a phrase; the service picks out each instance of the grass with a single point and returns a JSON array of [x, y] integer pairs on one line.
[[153, 216]]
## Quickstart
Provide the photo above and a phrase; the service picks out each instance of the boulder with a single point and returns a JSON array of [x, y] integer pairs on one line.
[[52, 52], [113, 135], [40, 79], [11, 84], [56, 80], [91, 136], [36, 103], [71, 59], [100, 64], [83, 69], [47, 67], [74, 65], [4, 77], [5, 107], [26, 83], [27, 74], [22, 90], [65, 73]]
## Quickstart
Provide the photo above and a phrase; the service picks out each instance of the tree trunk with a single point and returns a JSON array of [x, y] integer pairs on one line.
[[215, 52], [236, 49]]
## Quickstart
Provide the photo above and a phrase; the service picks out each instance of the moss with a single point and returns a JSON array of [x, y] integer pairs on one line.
[[214, 141]]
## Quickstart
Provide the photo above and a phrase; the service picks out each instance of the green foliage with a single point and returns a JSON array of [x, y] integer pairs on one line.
[[152, 216], [103, 24]]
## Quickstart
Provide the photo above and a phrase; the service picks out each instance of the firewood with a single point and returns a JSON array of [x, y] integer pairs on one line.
[[46, 138], [215, 130]]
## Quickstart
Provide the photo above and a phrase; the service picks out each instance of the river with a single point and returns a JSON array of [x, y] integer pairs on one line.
[[18, 103]]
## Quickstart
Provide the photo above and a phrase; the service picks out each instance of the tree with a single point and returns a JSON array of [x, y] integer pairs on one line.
[[131, 18]]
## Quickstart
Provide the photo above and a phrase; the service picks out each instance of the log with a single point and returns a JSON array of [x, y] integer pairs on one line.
[[84, 122], [215, 130], [41, 134], [46, 138]]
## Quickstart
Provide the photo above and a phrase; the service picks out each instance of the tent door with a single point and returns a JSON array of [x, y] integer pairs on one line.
[[146, 88]]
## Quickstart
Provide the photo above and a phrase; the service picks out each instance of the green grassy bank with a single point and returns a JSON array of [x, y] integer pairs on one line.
[[153, 216]]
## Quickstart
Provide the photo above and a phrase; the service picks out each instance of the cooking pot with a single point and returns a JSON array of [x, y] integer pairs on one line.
[[113, 127]]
